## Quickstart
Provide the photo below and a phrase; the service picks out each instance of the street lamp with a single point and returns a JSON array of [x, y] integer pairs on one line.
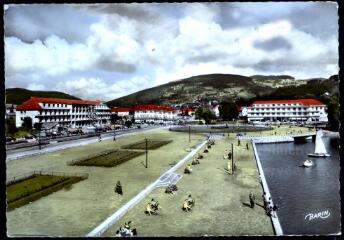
[[232, 160], [189, 134], [146, 153], [39, 139]]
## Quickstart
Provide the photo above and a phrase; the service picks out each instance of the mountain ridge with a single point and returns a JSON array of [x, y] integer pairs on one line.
[[19, 95], [206, 87]]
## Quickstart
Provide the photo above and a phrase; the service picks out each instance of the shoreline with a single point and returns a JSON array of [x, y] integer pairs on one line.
[[275, 221]]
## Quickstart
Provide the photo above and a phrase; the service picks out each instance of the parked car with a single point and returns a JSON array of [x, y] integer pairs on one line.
[[10, 139]]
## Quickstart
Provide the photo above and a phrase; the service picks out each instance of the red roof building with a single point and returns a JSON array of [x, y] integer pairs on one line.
[[152, 107], [120, 109], [33, 103], [308, 110], [65, 112], [309, 101]]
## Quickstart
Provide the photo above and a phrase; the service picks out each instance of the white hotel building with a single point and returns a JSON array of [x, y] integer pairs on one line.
[[154, 113], [64, 112], [301, 110]]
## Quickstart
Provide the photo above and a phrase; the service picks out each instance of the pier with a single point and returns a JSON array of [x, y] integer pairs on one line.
[[278, 138]]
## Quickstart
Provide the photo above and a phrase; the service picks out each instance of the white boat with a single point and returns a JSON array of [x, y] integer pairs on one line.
[[307, 163], [320, 150]]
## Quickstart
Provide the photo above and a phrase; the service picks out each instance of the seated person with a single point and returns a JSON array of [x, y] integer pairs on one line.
[[169, 190], [195, 161], [127, 225], [188, 169], [186, 207], [174, 187], [153, 203], [190, 200]]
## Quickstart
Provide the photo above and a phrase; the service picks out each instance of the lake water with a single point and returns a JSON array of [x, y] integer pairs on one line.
[[308, 198]]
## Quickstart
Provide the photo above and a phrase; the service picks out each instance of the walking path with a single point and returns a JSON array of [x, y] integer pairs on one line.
[[274, 139], [107, 223], [65, 145], [275, 220]]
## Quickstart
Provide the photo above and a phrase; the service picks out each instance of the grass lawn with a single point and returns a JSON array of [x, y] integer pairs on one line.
[[221, 199], [34, 187], [109, 160], [76, 211], [282, 130], [151, 144]]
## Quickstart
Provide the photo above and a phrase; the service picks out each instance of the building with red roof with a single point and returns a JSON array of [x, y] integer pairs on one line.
[[298, 110], [151, 113], [121, 112], [65, 112]]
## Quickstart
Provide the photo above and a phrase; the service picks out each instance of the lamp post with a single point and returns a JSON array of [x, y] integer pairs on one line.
[[146, 153], [189, 134], [232, 160], [39, 139]]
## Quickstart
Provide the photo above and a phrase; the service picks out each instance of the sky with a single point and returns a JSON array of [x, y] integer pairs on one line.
[[105, 51]]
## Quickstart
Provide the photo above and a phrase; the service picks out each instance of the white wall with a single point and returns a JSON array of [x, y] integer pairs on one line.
[[20, 115]]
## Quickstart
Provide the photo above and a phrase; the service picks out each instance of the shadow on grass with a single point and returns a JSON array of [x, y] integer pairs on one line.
[[249, 205], [246, 205]]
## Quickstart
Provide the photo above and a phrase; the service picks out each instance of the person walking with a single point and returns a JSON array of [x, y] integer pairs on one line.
[[252, 198], [247, 146], [118, 188]]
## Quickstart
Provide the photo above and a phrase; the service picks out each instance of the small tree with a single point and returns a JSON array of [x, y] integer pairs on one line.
[[204, 113], [333, 113], [27, 123], [128, 123], [11, 128], [114, 118], [228, 110]]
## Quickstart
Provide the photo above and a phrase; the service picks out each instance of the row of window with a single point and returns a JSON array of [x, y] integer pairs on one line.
[[55, 105], [285, 109], [294, 113], [276, 104]]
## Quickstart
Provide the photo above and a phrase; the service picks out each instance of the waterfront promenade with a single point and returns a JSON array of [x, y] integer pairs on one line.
[[78, 210], [221, 199]]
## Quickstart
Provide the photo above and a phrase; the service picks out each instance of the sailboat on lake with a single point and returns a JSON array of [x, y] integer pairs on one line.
[[320, 150]]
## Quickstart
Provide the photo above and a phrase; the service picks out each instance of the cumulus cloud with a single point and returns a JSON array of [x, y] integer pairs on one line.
[[111, 50], [32, 22], [35, 86], [100, 89]]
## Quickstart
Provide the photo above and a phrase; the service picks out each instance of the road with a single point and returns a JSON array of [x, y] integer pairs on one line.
[[30, 151]]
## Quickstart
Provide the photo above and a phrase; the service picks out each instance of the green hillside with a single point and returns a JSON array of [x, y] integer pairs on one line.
[[211, 86], [19, 95]]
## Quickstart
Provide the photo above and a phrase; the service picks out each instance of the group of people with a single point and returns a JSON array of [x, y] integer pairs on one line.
[[269, 207], [152, 207], [171, 188], [188, 203], [188, 169], [195, 161], [126, 231], [209, 144]]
